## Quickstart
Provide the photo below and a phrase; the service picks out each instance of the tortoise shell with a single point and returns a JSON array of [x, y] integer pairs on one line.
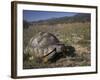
[[44, 44]]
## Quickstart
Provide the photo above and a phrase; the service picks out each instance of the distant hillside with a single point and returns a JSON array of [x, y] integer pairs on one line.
[[80, 17]]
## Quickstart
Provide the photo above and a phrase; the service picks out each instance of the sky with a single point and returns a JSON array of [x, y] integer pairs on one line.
[[30, 15]]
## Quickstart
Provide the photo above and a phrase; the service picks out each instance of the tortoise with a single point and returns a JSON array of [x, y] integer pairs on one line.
[[44, 46]]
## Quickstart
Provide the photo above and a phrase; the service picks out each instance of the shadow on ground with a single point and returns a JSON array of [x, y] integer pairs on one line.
[[70, 51]]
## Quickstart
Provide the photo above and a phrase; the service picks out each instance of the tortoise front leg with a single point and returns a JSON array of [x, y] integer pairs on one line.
[[49, 56]]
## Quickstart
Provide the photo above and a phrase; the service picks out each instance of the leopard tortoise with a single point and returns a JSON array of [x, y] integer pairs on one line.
[[44, 46]]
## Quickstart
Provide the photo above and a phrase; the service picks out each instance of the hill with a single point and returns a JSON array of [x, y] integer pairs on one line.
[[80, 17]]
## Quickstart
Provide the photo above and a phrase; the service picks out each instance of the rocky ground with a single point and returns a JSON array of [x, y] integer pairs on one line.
[[81, 58]]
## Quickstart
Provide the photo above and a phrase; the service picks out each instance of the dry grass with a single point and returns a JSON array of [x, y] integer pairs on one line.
[[74, 34]]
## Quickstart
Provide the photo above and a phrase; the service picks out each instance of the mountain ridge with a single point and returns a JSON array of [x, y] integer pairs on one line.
[[79, 17]]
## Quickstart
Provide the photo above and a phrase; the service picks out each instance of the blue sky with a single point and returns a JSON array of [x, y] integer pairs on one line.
[[31, 15]]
